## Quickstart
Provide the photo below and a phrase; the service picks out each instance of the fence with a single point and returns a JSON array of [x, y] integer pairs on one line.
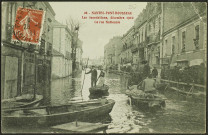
[[185, 85]]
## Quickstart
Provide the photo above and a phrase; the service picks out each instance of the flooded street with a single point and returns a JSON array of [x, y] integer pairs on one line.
[[103, 67], [177, 117]]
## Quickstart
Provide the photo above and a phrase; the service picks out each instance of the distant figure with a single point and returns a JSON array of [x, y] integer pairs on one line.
[[146, 70], [101, 78], [154, 72], [149, 84], [93, 72]]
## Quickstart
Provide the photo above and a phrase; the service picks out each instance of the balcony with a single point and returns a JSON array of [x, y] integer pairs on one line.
[[164, 61], [152, 39], [141, 45], [134, 49], [125, 61]]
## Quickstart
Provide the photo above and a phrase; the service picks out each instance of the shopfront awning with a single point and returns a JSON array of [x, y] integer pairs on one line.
[[183, 60], [173, 64], [196, 62]]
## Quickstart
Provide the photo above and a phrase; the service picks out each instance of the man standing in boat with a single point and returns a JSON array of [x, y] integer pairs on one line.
[[149, 84], [93, 72]]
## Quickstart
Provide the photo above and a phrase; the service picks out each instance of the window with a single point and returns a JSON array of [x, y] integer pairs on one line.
[[166, 42], [197, 32], [139, 38], [173, 45], [49, 28], [196, 40], [183, 41], [42, 46], [165, 47], [142, 35]]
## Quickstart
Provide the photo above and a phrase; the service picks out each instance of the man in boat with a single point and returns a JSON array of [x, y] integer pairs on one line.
[[148, 84], [93, 72], [101, 78]]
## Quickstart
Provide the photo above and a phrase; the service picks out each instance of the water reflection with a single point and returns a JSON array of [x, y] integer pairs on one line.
[[178, 116]]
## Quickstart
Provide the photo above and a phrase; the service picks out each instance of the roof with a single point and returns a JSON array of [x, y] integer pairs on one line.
[[58, 24], [49, 6]]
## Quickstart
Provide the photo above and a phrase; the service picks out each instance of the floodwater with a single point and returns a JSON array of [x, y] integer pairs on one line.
[[178, 116]]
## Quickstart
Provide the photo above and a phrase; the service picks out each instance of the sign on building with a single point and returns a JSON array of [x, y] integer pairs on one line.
[[28, 25]]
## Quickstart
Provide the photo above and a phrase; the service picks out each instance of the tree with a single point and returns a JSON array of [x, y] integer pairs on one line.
[[74, 28]]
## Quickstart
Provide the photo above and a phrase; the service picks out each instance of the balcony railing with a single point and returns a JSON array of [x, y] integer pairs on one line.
[[134, 49], [126, 60], [164, 61], [141, 45], [152, 39]]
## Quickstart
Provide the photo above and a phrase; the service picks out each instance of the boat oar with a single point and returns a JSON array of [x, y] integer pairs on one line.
[[130, 100], [84, 78]]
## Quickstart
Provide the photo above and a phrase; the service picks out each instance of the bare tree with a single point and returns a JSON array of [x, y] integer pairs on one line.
[[74, 28]]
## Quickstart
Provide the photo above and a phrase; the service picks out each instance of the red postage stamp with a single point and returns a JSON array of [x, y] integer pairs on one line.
[[28, 25]]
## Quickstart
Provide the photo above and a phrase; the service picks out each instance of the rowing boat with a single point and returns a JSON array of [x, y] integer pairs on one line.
[[98, 95], [21, 101], [59, 114], [99, 90], [145, 100], [147, 103]]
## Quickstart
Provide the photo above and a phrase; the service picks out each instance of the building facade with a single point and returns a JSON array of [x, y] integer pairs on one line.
[[127, 40], [112, 52], [61, 55], [79, 52], [165, 34], [25, 67], [184, 39]]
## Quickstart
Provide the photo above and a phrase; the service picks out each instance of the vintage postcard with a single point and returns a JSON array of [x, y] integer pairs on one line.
[[103, 67]]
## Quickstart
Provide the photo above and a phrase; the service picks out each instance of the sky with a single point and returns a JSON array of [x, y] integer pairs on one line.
[[96, 36]]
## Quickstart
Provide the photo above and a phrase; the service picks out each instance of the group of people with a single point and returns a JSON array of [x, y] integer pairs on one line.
[[148, 83], [146, 79], [94, 78]]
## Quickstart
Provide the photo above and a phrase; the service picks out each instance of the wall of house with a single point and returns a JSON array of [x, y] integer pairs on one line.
[[190, 50], [56, 39], [178, 12]]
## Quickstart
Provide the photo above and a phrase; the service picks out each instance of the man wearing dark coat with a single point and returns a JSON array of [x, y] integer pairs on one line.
[[154, 72], [146, 70], [93, 72]]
